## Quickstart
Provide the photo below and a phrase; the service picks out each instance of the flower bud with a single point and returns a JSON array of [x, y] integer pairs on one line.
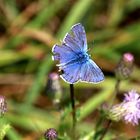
[[3, 105], [50, 134], [125, 66], [53, 89]]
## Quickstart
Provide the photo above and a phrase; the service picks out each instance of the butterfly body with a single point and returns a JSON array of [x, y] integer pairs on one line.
[[82, 57], [74, 59]]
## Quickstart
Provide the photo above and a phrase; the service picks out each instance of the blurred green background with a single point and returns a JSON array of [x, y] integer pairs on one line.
[[29, 29]]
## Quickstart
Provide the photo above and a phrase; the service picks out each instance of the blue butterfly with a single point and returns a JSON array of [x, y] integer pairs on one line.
[[75, 63]]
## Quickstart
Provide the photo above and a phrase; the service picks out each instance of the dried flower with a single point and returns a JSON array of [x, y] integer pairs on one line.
[[50, 134], [125, 66], [3, 105], [128, 110]]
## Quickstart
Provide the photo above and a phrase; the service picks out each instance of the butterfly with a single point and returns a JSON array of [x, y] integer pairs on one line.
[[74, 60]]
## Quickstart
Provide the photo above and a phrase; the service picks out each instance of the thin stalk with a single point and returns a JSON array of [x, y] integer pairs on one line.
[[106, 129], [117, 86], [116, 91], [73, 108]]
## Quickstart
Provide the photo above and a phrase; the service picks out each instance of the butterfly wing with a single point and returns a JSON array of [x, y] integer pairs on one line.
[[76, 39], [66, 56], [71, 73], [63, 54], [90, 72], [73, 44], [67, 53]]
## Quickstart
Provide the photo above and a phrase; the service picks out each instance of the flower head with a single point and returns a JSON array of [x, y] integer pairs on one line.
[[50, 134], [3, 105], [128, 110], [131, 106]]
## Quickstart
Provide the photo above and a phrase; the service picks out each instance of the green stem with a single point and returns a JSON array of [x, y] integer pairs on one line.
[[106, 129], [117, 86]]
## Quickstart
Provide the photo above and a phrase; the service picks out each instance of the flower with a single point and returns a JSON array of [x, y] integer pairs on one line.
[[3, 105], [50, 134], [131, 106], [125, 66], [128, 110]]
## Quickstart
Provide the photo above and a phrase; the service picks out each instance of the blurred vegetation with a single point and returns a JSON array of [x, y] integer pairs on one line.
[[29, 29]]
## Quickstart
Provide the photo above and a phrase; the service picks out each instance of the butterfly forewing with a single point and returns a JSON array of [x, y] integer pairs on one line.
[[63, 53], [76, 39], [80, 36]]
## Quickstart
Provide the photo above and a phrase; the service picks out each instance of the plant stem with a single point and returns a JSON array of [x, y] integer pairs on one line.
[[116, 91], [73, 107], [106, 129], [117, 86]]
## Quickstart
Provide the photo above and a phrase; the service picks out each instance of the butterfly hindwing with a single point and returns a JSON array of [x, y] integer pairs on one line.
[[71, 73], [90, 72]]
